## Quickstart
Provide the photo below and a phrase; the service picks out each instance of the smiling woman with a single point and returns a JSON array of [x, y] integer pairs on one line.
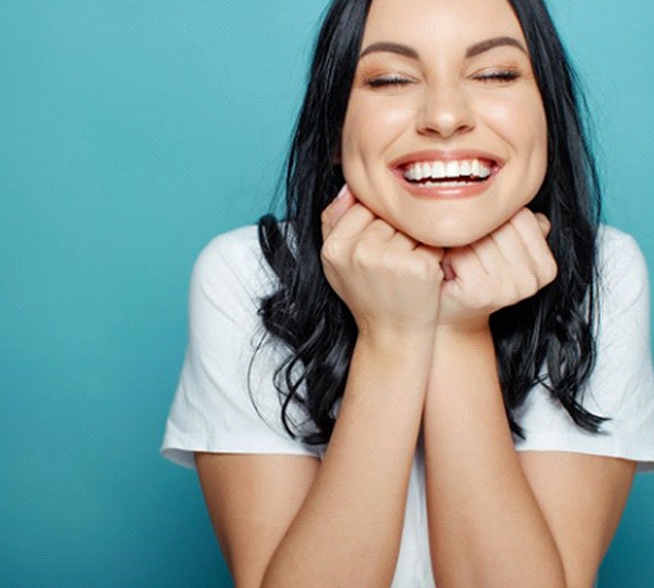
[[428, 111], [435, 369]]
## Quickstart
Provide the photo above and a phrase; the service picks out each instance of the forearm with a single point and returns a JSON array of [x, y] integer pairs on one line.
[[348, 530], [486, 527]]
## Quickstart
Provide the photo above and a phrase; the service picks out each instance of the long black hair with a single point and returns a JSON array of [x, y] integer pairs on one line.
[[548, 338]]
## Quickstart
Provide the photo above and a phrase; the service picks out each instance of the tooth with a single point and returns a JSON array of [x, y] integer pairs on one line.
[[474, 168], [484, 171], [409, 173], [438, 169], [465, 168], [453, 169]]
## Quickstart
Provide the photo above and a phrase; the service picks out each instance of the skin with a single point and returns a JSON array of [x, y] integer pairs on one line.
[[421, 279], [441, 101]]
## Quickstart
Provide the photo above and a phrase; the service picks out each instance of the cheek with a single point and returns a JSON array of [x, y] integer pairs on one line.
[[536, 145], [523, 124], [357, 148], [532, 130], [371, 126]]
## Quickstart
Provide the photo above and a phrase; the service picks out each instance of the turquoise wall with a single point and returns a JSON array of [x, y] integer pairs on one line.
[[132, 131]]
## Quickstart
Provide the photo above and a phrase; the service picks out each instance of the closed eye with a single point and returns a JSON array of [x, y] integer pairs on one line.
[[498, 76], [388, 80]]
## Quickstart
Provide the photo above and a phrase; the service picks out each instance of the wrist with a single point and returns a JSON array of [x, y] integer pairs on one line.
[[461, 360], [397, 341], [470, 327], [471, 335]]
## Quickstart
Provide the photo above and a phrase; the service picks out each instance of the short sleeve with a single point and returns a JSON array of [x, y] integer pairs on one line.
[[226, 401], [621, 386]]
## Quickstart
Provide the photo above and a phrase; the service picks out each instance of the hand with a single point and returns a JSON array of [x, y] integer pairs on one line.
[[390, 282], [501, 269]]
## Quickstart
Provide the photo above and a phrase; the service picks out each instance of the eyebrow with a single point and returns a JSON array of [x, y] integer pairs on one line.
[[489, 44], [387, 47], [472, 51]]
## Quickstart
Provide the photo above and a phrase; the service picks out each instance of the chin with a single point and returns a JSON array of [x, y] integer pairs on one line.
[[449, 237]]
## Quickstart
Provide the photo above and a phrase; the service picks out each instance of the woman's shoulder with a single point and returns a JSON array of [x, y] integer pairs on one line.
[[622, 265], [236, 246], [232, 263], [612, 240], [615, 247]]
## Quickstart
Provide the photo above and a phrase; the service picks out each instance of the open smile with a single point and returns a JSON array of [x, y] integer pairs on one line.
[[432, 173], [447, 175]]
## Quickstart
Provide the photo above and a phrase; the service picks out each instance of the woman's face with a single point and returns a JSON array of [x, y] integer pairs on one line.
[[445, 134]]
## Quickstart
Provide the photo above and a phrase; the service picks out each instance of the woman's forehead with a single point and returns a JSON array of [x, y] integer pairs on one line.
[[440, 21]]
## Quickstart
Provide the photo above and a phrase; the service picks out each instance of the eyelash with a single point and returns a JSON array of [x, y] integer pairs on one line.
[[392, 80], [397, 80], [499, 76]]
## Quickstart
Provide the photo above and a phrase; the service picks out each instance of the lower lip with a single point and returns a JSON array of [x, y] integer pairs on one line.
[[445, 192]]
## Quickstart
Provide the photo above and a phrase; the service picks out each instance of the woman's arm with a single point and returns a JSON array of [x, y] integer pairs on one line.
[[486, 527], [299, 522], [348, 530], [289, 521], [497, 519]]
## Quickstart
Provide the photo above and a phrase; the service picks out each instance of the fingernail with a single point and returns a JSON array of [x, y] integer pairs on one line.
[[341, 193]]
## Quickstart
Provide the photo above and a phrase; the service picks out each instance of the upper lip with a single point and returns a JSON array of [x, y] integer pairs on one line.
[[441, 155]]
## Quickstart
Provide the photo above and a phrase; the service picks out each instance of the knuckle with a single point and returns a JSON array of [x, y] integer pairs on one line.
[[514, 293], [361, 254], [480, 298], [526, 287], [551, 270], [522, 215], [325, 216], [531, 286], [423, 269], [331, 251], [378, 226]]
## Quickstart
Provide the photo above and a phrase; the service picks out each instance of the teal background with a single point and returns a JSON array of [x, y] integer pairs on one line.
[[131, 132]]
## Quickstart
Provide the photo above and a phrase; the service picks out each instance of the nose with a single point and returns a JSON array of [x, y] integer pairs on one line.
[[445, 111]]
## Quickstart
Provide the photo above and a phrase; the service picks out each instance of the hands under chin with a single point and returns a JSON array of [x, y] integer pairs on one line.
[[378, 271], [499, 270], [389, 281]]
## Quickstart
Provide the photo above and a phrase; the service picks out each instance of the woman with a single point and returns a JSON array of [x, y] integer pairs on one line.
[[457, 302]]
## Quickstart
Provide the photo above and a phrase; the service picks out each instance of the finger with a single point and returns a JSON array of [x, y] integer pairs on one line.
[[448, 270], [379, 231], [336, 209], [350, 225], [404, 242], [512, 248], [489, 255], [463, 265], [530, 230], [544, 223], [521, 270], [341, 204]]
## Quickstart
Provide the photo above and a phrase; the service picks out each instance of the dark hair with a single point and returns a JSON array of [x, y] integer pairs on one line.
[[545, 339]]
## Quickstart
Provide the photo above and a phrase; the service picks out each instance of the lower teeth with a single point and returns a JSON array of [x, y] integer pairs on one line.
[[432, 184]]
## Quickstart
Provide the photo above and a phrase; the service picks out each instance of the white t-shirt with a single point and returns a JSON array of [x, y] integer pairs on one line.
[[226, 401]]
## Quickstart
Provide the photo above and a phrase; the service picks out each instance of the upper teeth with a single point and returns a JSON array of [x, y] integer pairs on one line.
[[447, 169]]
